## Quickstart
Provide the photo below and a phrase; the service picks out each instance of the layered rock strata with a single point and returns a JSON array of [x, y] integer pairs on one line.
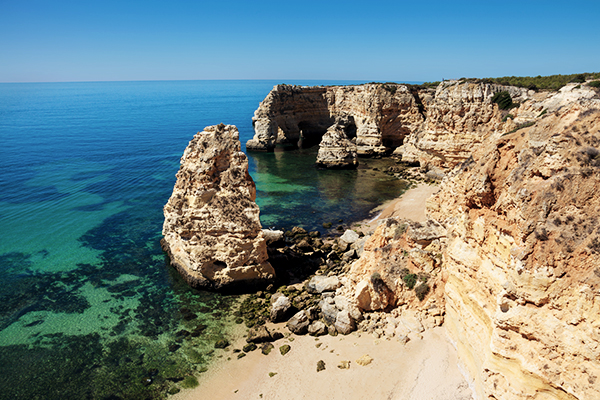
[[212, 230], [378, 116], [523, 259], [434, 129], [511, 252], [459, 117]]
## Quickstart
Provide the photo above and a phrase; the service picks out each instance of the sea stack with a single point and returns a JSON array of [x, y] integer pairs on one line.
[[212, 230], [336, 151]]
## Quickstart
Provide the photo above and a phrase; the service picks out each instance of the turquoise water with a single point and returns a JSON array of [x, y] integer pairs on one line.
[[88, 306]]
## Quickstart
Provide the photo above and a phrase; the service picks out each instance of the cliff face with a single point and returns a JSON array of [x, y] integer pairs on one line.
[[212, 230], [378, 116], [458, 117], [523, 261], [512, 257]]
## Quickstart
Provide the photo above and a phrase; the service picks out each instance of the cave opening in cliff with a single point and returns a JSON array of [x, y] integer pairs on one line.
[[310, 134]]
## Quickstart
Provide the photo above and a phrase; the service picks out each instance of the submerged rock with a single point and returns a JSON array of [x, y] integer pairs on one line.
[[212, 230]]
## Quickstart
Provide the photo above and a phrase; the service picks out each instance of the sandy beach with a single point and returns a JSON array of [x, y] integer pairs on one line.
[[410, 205], [424, 368]]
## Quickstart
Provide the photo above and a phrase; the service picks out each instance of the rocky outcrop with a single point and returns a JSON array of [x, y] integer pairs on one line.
[[336, 151], [459, 117], [434, 129], [212, 231], [523, 256], [512, 257], [379, 116]]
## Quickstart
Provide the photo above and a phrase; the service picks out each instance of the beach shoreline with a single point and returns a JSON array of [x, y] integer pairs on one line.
[[424, 368]]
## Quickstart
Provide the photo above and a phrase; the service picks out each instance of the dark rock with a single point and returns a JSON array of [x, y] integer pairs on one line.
[[314, 234], [266, 348], [241, 355], [276, 335], [327, 225], [320, 365], [329, 312], [280, 307], [174, 347], [221, 344], [259, 334], [304, 246], [249, 347], [297, 230], [284, 349], [298, 324]]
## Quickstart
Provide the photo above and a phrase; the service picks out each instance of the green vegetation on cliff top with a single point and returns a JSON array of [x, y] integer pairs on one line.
[[550, 82]]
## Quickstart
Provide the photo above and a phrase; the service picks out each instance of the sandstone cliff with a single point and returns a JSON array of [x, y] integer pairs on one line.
[[458, 117], [438, 128], [512, 256], [212, 230], [378, 116], [523, 261]]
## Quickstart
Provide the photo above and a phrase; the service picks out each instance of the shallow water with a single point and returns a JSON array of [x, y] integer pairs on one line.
[[88, 306]]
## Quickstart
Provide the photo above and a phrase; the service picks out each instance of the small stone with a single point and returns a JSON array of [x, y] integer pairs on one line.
[[364, 360], [241, 355], [266, 348], [284, 349], [249, 347], [272, 374], [320, 365], [298, 324], [344, 365], [320, 284], [221, 344], [327, 225], [349, 236]]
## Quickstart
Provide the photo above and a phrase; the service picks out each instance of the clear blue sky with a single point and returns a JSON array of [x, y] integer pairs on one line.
[[100, 40]]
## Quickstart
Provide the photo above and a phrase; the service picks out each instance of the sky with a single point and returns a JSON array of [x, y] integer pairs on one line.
[[419, 40]]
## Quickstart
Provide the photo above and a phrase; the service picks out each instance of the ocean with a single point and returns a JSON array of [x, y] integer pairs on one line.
[[89, 308]]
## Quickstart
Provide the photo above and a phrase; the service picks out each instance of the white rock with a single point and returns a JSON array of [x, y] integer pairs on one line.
[[349, 237], [320, 284]]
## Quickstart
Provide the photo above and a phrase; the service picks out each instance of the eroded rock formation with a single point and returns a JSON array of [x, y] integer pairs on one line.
[[378, 116], [458, 117], [212, 230], [336, 150], [523, 261], [435, 129], [512, 257]]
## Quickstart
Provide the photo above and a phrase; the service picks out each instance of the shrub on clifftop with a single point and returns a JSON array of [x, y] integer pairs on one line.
[[503, 100]]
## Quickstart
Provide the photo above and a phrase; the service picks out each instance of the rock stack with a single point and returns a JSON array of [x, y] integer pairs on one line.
[[336, 151], [212, 230]]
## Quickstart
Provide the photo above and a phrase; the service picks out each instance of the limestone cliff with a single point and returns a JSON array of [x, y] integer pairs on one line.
[[378, 116], [212, 230], [438, 128], [458, 118], [523, 261]]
